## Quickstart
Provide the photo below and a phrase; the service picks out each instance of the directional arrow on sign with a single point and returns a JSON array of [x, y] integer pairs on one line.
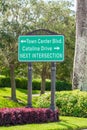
[[56, 48], [22, 41]]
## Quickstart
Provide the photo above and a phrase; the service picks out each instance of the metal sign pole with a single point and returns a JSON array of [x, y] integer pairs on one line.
[[53, 79], [48, 46], [29, 84]]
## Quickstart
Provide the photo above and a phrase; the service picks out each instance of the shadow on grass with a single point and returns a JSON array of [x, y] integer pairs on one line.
[[22, 90], [64, 125], [25, 91], [19, 101], [4, 89], [69, 126]]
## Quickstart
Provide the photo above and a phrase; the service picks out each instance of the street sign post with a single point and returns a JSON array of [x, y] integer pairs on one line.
[[41, 48]]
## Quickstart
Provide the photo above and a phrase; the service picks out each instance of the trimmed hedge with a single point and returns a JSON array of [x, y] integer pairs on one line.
[[5, 82], [15, 116], [36, 84], [70, 103]]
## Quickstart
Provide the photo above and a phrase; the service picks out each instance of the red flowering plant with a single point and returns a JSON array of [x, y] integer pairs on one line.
[[14, 116]]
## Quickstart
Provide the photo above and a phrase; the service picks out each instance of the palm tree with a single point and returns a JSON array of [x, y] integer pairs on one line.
[[80, 59]]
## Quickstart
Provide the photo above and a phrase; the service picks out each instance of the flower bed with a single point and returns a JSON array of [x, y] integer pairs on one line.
[[14, 116]]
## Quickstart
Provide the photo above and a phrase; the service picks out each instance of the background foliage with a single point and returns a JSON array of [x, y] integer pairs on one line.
[[20, 17], [69, 103], [36, 84]]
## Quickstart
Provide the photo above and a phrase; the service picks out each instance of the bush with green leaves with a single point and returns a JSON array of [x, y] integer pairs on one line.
[[21, 83], [36, 84], [70, 103], [4, 81]]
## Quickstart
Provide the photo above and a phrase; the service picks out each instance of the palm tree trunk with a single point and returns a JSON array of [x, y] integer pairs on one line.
[[80, 59]]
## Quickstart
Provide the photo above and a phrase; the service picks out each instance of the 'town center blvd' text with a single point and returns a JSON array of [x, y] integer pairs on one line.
[[40, 41]]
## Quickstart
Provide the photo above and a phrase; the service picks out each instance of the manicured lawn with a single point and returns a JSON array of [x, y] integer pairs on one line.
[[5, 94], [66, 123]]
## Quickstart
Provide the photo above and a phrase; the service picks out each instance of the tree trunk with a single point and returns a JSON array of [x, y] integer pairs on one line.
[[13, 86], [80, 59], [43, 82]]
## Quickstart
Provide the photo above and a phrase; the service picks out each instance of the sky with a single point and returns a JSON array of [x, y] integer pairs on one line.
[[74, 1]]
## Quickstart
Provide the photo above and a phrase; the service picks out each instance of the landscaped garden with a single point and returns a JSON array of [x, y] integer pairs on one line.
[[70, 103], [57, 56]]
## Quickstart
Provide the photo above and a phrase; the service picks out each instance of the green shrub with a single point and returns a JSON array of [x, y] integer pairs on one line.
[[21, 83], [70, 103], [63, 85], [5, 82], [36, 84], [43, 101], [48, 85]]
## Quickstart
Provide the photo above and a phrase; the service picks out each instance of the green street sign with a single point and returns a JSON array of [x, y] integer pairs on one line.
[[41, 48]]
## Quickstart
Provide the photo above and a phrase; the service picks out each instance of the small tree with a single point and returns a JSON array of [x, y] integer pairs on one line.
[[15, 20]]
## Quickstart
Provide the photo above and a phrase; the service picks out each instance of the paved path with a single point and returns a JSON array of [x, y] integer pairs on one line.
[[83, 129]]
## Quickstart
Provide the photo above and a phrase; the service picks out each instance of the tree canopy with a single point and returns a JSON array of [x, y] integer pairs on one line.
[[22, 16]]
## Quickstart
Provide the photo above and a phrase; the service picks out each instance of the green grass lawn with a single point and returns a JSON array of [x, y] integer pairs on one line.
[[66, 123], [5, 94]]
